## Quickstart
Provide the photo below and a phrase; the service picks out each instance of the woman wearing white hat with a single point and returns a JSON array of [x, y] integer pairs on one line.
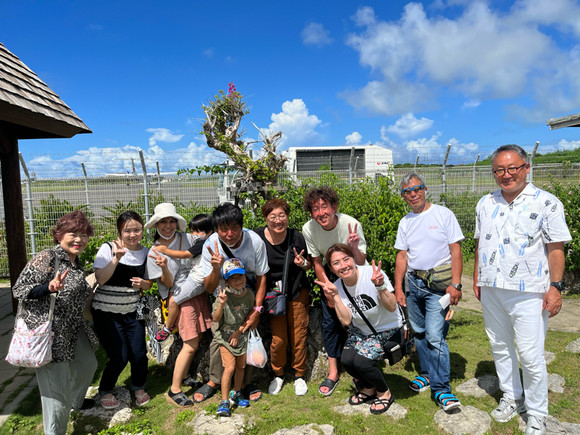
[[171, 233]]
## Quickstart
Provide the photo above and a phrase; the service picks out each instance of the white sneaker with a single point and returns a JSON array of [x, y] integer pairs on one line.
[[535, 425], [300, 387], [507, 409], [276, 385]]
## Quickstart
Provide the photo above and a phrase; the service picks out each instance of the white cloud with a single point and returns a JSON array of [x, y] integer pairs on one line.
[[408, 126], [298, 127], [315, 34], [209, 52], [460, 151], [355, 138], [471, 104], [481, 53], [162, 135]]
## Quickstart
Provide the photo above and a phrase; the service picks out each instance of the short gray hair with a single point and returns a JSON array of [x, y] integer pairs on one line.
[[514, 148], [406, 179]]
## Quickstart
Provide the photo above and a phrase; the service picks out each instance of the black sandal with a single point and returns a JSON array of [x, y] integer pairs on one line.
[[206, 390], [250, 389], [386, 404], [179, 399], [359, 398], [192, 383]]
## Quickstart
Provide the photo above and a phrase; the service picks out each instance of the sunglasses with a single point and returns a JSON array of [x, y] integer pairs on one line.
[[408, 190]]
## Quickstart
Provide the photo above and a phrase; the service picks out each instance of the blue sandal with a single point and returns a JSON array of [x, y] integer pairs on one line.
[[420, 383], [447, 401]]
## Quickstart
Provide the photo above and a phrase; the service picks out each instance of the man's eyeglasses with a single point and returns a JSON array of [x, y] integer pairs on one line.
[[408, 190], [512, 171]]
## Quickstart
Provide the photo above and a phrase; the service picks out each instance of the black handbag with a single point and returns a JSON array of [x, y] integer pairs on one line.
[[398, 344]]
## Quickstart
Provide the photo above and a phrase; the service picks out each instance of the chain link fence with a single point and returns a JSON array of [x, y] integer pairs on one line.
[[45, 200]]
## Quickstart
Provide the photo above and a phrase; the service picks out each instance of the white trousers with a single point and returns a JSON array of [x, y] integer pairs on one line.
[[512, 316], [63, 386]]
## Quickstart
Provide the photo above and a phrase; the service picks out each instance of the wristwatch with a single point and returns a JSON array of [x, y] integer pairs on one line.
[[558, 284], [457, 286], [259, 309]]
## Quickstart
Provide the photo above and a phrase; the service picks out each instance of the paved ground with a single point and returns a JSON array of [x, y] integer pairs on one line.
[[23, 380]]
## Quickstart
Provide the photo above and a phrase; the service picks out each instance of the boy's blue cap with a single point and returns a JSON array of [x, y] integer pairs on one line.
[[233, 266]]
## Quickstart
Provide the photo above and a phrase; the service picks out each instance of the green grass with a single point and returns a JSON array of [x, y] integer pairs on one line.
[[470, 357]]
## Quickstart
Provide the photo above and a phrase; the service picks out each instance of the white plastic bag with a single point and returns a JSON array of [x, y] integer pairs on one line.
[[256, 353]]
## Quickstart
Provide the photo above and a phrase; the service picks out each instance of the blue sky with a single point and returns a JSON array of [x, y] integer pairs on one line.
[[409, 76]]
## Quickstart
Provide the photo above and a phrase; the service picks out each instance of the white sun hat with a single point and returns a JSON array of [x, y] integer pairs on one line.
[[165, 210]]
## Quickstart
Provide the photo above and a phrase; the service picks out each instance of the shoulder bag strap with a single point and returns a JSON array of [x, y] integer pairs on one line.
[[351, 299], [21, 307], [287, 262], [226, 249]]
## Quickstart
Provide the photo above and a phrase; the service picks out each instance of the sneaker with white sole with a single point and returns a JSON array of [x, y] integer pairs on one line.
[[507, 409], [300, 387], [535, 425], [276, 385]]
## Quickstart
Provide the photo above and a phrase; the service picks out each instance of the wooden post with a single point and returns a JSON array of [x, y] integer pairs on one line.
[[14, 213]]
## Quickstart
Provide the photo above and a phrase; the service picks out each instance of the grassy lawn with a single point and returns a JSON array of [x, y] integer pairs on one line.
[[470, 357]]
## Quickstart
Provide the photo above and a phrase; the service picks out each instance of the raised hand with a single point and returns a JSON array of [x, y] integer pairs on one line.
[[217, 260], [222, 296], [160, 260], [119, 251], [329, 289], [298, 258], [377, 277], [161, 248], [353, 237], [57, 283]]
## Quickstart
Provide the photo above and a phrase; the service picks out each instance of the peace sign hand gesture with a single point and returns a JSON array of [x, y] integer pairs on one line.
[[57, 283], [119, 251], [377, 278], [353, 237], [217, 260], [329, 288], [160, 260], [223, 296], [299, 260]]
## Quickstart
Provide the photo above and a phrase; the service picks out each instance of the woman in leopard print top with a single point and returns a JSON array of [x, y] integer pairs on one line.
[[64, 381]]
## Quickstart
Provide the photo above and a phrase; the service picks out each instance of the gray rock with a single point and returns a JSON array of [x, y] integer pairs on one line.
[[204, 423], [556, 383], [395, 412], [121, 414], [307, 429], [482, 386], [553, 426], [549, 356], [465, 420], [574, 346]]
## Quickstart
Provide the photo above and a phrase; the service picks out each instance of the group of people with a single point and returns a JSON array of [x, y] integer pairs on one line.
[[521, 233]]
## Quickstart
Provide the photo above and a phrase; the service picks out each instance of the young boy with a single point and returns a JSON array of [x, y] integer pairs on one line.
[[230, 311], [201, 227]]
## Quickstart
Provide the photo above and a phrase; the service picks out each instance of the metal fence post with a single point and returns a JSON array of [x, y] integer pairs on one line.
[[531, 174], [350, 163], [145, 186], [158, 177], [86, 185], [416, 161], [443, 170], [30, 208], [474, 168]]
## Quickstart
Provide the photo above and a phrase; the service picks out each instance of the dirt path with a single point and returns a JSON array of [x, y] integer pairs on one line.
[[568, 319]]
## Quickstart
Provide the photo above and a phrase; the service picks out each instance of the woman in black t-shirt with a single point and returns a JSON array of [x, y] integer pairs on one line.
[[293, 326]]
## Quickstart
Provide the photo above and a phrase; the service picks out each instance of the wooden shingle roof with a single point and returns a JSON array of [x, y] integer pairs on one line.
[[564, 121], [28, 107]]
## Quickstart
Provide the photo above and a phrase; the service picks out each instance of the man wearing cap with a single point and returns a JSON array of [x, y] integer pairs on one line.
[[519, 265], [229, 240], [428, 240]]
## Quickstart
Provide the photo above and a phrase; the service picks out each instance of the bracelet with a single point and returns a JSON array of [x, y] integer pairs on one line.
[[305, 263], [381, 287]]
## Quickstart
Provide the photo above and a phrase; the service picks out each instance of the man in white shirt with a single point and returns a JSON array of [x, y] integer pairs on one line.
[[231, 238], [519, 264], [429, 241]]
